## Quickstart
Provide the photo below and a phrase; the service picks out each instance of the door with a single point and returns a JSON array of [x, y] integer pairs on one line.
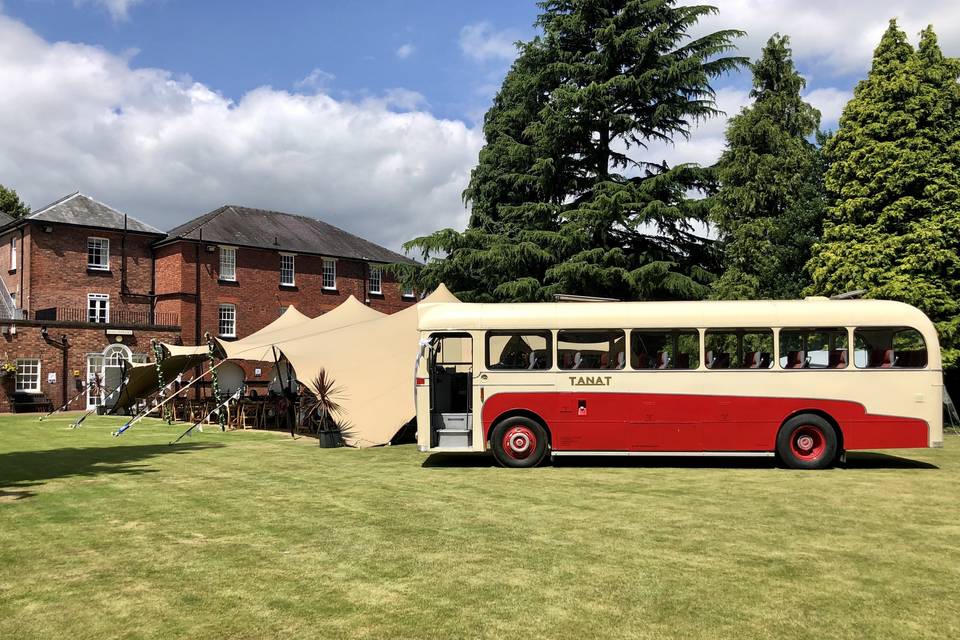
[[94, 379], [450, 365]]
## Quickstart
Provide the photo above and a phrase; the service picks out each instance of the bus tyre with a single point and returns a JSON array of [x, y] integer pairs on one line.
[[519, 442], [807, 441]]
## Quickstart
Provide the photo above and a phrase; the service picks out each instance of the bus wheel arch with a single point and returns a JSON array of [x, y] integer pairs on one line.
[[519, 438], [809, 439]]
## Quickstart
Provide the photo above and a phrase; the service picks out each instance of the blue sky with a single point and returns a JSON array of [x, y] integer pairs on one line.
[[234, 47], [364, 114]]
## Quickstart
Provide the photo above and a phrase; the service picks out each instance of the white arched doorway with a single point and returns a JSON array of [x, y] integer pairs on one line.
[[230, 377], [106, 368]]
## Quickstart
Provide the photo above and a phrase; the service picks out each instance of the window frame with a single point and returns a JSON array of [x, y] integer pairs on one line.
[[408, 293], [379, 271], [511, 332], [293, 269], [774, 350], [221, 307], [226, 250], [688, 330], [104, 248], [100, 297], [820, 329], [895, 329], [18, 376], [626, 348], [13, 253], [332, 263]]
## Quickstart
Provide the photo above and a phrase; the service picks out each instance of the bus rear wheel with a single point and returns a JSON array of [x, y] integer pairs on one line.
[[807, 441], [519, 442]]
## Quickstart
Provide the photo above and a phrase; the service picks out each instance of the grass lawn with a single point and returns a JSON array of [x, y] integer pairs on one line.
[[254, 535]]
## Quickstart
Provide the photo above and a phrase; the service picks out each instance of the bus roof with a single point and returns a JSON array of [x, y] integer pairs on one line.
[[807, 313]]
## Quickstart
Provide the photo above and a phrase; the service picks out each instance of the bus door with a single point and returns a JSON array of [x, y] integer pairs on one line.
[[450, 367]]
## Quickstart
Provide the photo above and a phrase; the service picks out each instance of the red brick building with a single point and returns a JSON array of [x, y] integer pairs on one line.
[[83, 286]]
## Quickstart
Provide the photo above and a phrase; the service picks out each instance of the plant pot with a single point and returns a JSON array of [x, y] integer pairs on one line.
[[330, 439]]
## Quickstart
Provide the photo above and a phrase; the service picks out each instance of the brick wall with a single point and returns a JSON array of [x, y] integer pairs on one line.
[[257, 292], [59, 276], [28, 342]]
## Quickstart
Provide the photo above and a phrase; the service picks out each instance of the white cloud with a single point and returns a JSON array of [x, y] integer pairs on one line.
[[165, 149], [316, 79], [405, 51], [118, 9], [837, 37], [830, 101], [707, 138], [482, 42]]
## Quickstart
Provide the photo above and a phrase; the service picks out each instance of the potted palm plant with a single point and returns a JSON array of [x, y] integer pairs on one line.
[[324, 407]]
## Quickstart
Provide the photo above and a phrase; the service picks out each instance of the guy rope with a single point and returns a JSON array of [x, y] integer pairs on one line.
[[143, 414]]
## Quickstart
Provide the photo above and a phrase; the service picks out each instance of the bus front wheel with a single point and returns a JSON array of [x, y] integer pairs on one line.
[[807, 441], [519, 442]]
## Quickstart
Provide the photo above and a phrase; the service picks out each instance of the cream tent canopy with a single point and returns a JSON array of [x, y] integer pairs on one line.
[[259, 345], [372, 362], [142, 378], [288, 320]]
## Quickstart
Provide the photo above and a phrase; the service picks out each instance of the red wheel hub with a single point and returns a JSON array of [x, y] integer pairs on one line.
[[519, 442], [808, 442]]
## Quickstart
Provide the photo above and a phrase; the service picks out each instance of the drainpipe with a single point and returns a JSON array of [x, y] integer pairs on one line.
[[197, 308], [64, 345], [153, 284], [65, 367], [20, 294], [123, 257]]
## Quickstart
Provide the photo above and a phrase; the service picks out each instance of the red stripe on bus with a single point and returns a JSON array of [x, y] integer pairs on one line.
[[677, 422]]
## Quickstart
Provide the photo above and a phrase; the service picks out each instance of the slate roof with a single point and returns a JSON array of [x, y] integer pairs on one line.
[[81, 210], [260, 228], [5, 219]]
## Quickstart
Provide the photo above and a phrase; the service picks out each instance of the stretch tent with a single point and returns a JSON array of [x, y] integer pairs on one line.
[[260, 345], [142, 378], [288, 320], [372, 362]]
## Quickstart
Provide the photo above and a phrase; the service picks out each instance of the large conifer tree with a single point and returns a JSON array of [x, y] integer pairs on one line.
[[893, 225], [563, 198], [769, 208], [11, 204]]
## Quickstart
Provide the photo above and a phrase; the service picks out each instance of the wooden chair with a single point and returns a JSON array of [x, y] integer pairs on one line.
[[250, 413]]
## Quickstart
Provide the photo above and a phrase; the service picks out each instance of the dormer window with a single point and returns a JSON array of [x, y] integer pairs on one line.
[[98, 254], [228, 263]]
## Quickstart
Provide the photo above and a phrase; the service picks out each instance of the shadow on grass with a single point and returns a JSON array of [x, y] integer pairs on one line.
[[22, 469], [855, 460], [873, 460]]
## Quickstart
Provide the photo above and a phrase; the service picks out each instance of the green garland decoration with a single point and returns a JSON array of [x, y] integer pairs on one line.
[[215, 381], [157, 359]]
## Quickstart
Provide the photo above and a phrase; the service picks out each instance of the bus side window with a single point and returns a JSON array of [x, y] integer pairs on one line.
[[669, 349], [517, 350], [813, 348], [591, 349], [739, 348], [889, 348]]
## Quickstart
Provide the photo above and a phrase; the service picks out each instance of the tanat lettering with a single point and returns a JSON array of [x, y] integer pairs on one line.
[[590, 381]]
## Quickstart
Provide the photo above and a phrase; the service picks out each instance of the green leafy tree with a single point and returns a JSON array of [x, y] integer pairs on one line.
[[893, 225], [563, 199], [770, 205], [11, 204]]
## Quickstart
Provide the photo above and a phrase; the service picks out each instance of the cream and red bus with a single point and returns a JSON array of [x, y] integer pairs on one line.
[[803, 380]]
